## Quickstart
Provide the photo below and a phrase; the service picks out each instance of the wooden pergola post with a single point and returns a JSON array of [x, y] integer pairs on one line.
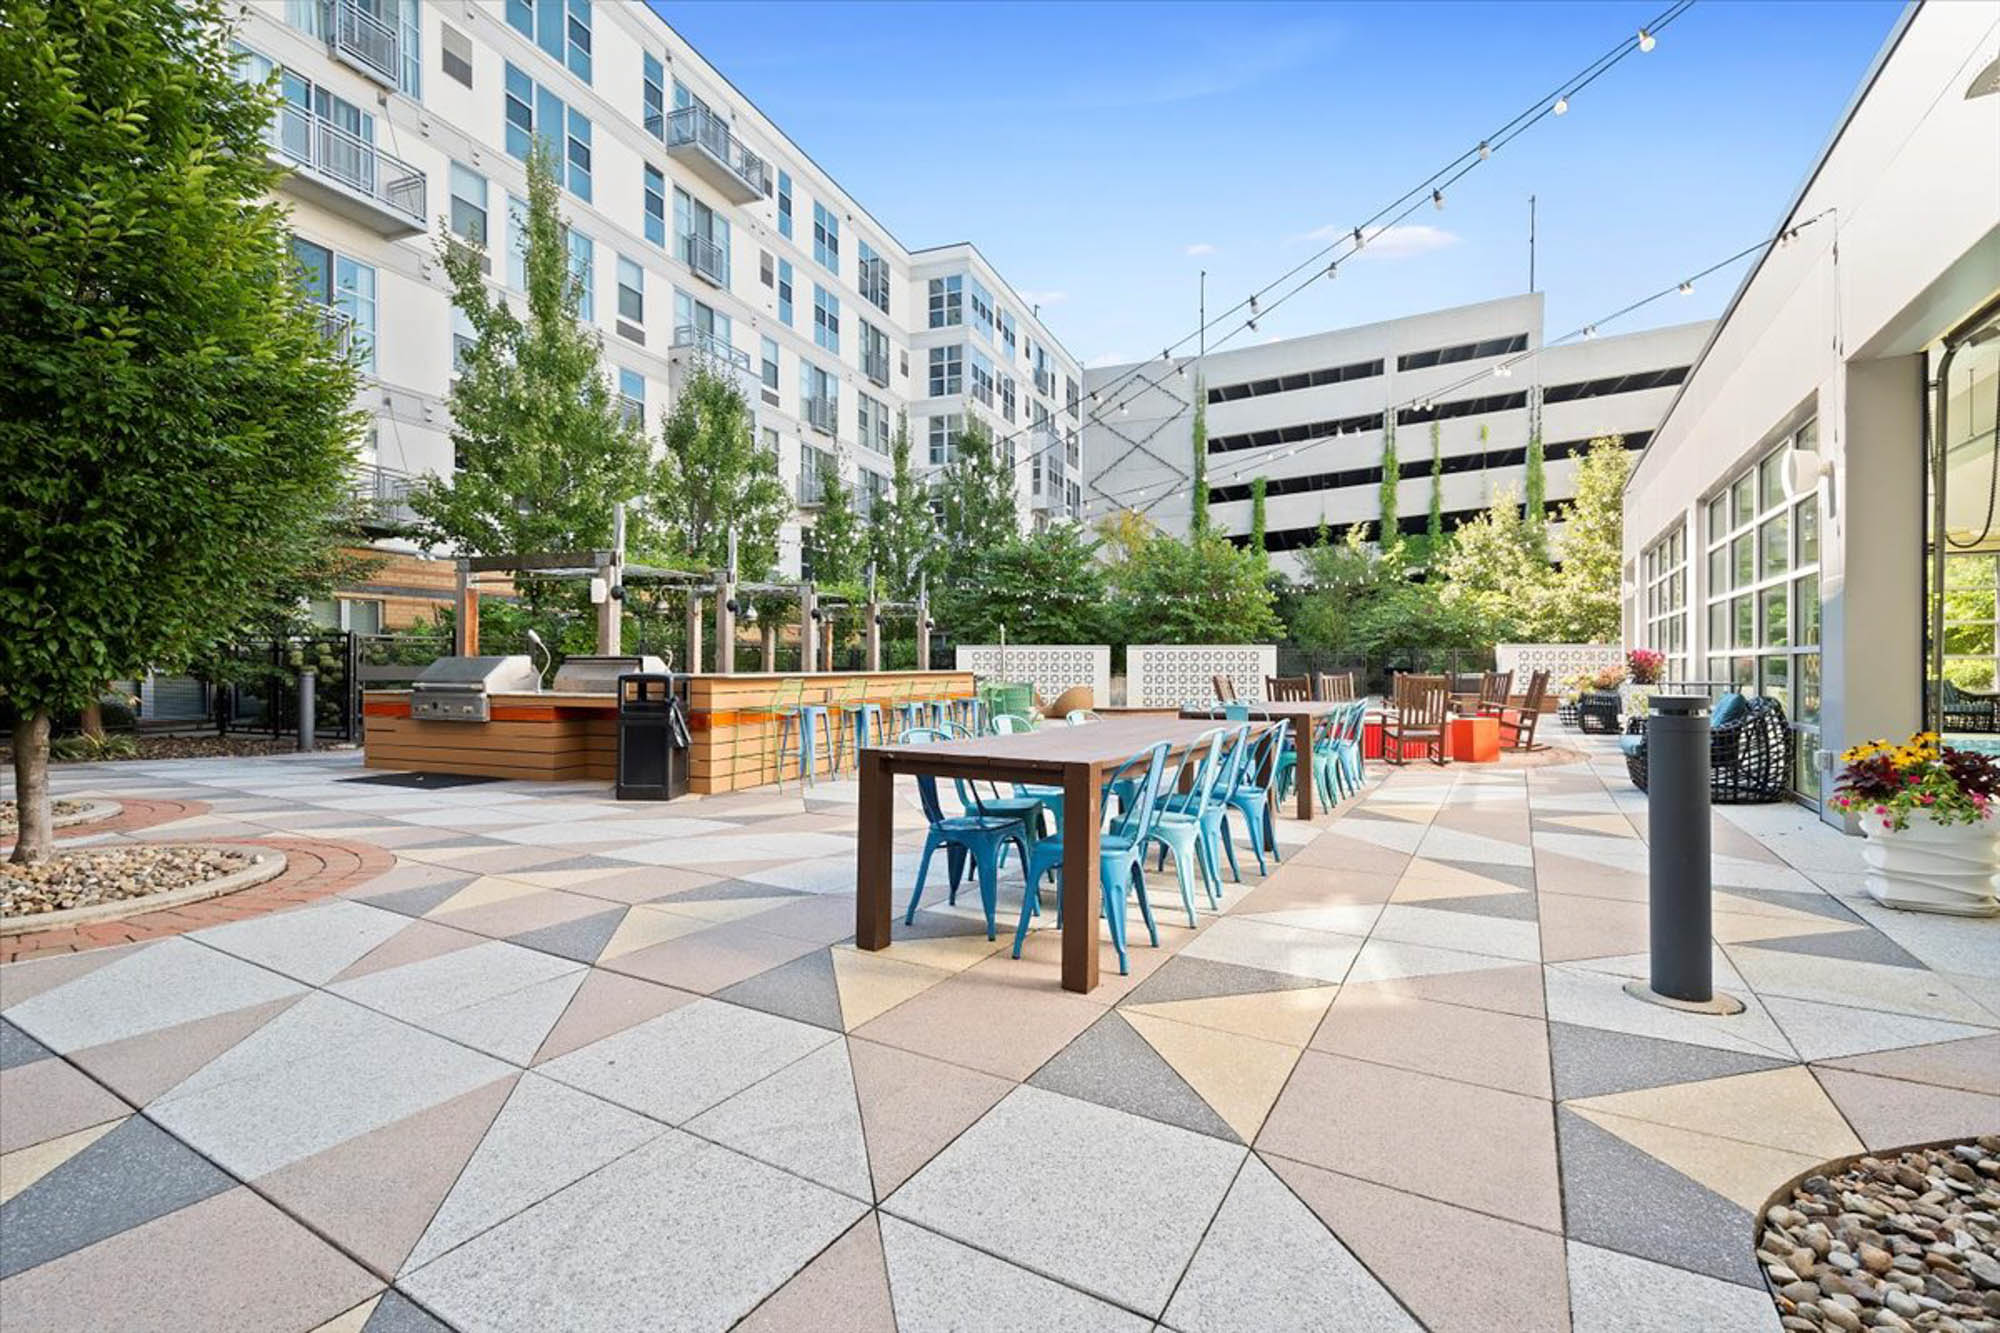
[[693, 664], [809, 634], [871, 628], [465, 619]]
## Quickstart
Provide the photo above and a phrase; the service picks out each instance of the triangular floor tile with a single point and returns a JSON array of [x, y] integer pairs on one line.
[[607, 1002], [24, 981], [1513, 989], [804, 989], [718, 911], [846, 1288], [141, 1068], [397, 1313], [1238, 1076], [912, 1106], [414, 943], [24, 1166], [1184, 978], [1971, 1065], [482, 892], [802, 1119], [1505, 906], [1744, 1173], [580, 940], [1591, 1062], [511, 1026], [1111, 1064], [1835, 1031], [1886, 1112], [642, 928], [726, 890], [1289, 1017], [1859, 943], [940, 1284], [1776, 1108], [1506, 1273], [419, 900], [871, 984], [374, 1194], [351, 1321]]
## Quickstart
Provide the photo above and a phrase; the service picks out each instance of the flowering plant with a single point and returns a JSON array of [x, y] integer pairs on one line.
[[1891, 782], [1645, 665], [1610, 678]]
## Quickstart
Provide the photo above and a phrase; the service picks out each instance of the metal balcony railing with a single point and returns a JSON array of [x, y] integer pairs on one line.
[[698, 128], [819, 414], [706, 258], [335, 325], [631, 411], [875, 365], [813, 468], [331, 153], [364, 40], [384, 493], [699, 340]]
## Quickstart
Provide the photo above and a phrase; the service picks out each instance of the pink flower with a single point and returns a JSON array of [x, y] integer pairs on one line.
[[1881, 809], [1889, 824]]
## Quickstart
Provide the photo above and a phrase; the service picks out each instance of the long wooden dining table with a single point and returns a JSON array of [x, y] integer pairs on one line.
[[1304, 715], [1077, 759]]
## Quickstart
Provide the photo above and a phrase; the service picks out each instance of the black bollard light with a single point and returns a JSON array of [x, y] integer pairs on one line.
[[1679, 857]]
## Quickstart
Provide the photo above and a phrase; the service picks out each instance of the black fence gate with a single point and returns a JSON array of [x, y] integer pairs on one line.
[[259, 686]]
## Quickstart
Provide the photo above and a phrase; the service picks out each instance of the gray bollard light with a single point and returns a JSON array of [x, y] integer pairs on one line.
[[308, 691], [1679, 857]]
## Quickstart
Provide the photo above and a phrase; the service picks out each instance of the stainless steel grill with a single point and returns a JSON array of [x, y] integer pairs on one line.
[[599, 675], [460, 689]]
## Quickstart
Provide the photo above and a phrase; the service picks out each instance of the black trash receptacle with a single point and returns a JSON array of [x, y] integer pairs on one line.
[[653, 742]]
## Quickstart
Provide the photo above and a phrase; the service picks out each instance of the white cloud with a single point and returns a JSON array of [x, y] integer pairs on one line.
[[1199, 248], [1399, 242], [1044, 298]]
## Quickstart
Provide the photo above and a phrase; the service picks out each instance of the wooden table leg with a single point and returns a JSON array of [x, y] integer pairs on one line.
[[1303, 770], [1080, 891], [874, 851]]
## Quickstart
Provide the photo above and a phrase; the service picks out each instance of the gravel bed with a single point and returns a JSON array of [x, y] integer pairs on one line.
[[10, 822], [1903, 1241], [89, 876]]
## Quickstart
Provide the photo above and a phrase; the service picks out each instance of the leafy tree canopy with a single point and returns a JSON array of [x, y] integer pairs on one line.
[[900, 529], [713, 478], [978, 512], [1199, 590], [839, 546], [1046, 587]]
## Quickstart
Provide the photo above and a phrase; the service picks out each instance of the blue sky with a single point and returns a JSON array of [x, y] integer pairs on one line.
[[1101, 155]]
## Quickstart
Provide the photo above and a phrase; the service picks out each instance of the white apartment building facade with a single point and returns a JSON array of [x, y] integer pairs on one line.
[[700, 229], [1310, 416], [1814, 518]]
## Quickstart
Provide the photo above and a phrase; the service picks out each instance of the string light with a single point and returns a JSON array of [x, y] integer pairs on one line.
[[1645, 40], [1562, 106], [1437, 200], [1590, 330], [1687, 289]]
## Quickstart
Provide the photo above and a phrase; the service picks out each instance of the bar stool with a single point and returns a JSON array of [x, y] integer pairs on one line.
[[860, 718], [800, 724]]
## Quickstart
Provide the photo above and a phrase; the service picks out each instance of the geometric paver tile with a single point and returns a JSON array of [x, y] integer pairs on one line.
[[1617, 1293], [642, 928], [417, 941], [693, 1057], [24, 1166], [1494, 936], [18, 1048], [20, 982], [1095, 1174], [1289, 1017], [803, 1118], [547, 1137], [1003, 1022], [846, 1288], [126, 1178], [1479, 1046], [1588, 997], [166, 983], [1383, 959], [605, 1003], [941, 1286], [1184, 978], [1971, 1065], [1267, 1262], [804, 989], [397, 1313], [373, 1194], [1590, 1062], [511, 1026], [1775, 1108], [1862, 985], [869, 985], [1833, 1031], [1515, 988], [231, 1263], [140, 1068], [1887, 1112], [709, 959], [1744, 1173], [47, 1099], [1500, 1275], [457, 981], [1318, 954], [1239, 1076], [580, 938], [912, 1106], [310, 944], [1111, 1064], [680, 1233]]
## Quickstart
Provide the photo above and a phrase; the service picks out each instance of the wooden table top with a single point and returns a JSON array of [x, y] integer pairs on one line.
[[1269, 711], [1099, 744]]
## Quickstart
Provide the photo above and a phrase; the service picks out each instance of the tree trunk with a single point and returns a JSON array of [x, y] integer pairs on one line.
[[31, 788], [92, 723]]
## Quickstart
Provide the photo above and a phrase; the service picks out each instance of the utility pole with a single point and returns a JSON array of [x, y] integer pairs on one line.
[[1531, 242]]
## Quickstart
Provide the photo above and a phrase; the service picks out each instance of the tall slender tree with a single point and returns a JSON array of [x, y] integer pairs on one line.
[[977, 508], [1391, 474], [175, 426], [1198, 514], [1434, 529], [1258, 485], [901, 531], [840, 547], [714, 478]]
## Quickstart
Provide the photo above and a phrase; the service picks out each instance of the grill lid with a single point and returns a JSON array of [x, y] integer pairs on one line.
[[490, 675], [587, 674]]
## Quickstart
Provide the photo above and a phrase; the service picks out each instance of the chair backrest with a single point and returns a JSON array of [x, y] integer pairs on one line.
[[1010, 724], [1288, 689], [1203, 754], [1225, 688], [1260, 762], [1143, 770], [1538, 688], [927, 792], [791, 692], [1428, 705], [1334, 686], [1412, 688], [1076, 717], [1494, 687], [1236, 712]]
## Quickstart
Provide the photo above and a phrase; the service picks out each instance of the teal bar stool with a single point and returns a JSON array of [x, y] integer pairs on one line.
[[800, 727], [860, 720]]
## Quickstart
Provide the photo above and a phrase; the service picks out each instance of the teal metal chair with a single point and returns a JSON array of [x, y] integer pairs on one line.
[[1255, 795], [977, 833], [1189, 814], [801, 724], [1121, 851], [859, 720]]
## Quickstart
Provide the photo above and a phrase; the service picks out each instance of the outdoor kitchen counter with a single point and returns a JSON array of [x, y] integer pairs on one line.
[[734, 721]]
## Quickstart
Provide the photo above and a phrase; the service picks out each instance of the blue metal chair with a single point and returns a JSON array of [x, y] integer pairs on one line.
[[1022, 805], [1121, 851], [800, 727], [860, 720], [976, 833], [1255, 795], [1189, 820]]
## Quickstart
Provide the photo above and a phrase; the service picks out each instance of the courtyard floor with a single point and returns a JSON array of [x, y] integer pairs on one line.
[[516, 1056]]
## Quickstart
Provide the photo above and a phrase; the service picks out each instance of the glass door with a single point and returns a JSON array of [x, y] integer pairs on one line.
[[1962, 564]]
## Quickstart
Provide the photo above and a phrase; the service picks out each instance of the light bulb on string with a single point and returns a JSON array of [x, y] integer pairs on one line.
[[1687, 288], [1562, 106], [1590, 330], [1437, 200], [1333, 269], [1485, 150], [1358, 239], [1645, 40]]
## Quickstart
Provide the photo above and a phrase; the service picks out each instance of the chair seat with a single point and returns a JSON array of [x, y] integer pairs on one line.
[[1010, 804], [1632, 744], [975, 824]]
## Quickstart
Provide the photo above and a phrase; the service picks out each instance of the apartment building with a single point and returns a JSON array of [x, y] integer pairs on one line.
[[1311, 415], [699, 229]]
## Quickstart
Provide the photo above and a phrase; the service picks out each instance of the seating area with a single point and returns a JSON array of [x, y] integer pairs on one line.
[[1749, 748]]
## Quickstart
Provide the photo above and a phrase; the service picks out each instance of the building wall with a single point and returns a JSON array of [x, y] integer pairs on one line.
[[1324, 461], [1898, 244], [446, 122]]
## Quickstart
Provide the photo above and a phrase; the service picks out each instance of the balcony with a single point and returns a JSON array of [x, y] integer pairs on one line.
[[814, 465], [697, 348], [383, 497], [701, 140], [819, 414], [692, 338], [347, 174], [335, 325], [875, 365], [364, 41], [632, 411], [706, 258]]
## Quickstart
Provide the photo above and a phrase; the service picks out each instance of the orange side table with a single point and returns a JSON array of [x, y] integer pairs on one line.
[[1473, 740]]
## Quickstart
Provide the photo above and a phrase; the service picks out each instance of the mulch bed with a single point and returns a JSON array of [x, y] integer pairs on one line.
[[118, 872]]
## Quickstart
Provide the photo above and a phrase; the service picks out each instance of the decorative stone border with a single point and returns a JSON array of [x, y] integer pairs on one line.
[[90, 814], [266, 863]]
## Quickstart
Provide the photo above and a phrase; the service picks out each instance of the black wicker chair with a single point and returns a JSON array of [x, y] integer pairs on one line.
[[1967, 712], [1749, 756], [1597, 712]]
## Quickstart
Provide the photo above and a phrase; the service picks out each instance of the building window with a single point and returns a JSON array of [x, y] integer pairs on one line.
[[785, 291], [631, 292], [410, 32], [947, 371], [580, 265], [464, 338], [785, 204], [468, 205], [874, 422], [944, 433], [870, 490], [826, 318], [455, 54], [874, 278], [1007, 397], [1663, 586], [632, 398], [1473, 351], [770, 368], [656, 206], [1971, 619], [874, 353], [826, 238], [1762, 596], [702, 326], [1072, 396], [1005, 323], [982, 311], [947, 301], [534, 112], [653, 96], [345, 286], [982, 377], [767, 271], [560, 29], [702, 237], [819, 398]]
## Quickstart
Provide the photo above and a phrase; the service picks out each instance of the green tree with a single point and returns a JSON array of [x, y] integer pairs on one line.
[[839, 545], [543, 450], [1535, 491], [1582, 605], [1493, 572], [1198, 514], [175, 424], [713, 478], [1045, 587], [1203, 589], [1434, 529], [1258, 527], [900, 530], [1392, 532], [977, 509]]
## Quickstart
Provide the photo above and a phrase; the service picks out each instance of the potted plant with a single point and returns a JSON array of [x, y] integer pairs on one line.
[[1602, 701], [1927, 812]]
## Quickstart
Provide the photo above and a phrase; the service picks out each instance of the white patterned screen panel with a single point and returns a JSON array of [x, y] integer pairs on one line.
[[1160, 675], [1050, 667], [1562, 661]]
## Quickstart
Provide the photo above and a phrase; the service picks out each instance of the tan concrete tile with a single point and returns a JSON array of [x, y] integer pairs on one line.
[[1575, 927], [710, 959], [1747, 1174], [846, 1287], [1288, 1017], [1889, 1112], [1493, 1050], [47, 1099], [1006, 1022], [1515, 989], [1972, 1065], [912, 1106], [23, 1167], [1778, 1108], [1239, 1076]]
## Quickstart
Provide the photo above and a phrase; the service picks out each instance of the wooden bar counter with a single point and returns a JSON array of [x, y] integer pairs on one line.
[[554, 737]]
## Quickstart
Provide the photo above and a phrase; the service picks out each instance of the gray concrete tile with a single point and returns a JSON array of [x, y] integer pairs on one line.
[[1617, 1293], [1097, 1174], [1184, 978], [676, 1066], [1111, 1064], [397, 1313], [681, 1234], [803, 989], [1864, 944], [1589, 1062], [159, 986], [18, 1048], [420, 899], [135, 1173], [46, 1099], [454, 981], [940, 1286], [580, 940], [511, 1026], [310, 944], [804, 1118]]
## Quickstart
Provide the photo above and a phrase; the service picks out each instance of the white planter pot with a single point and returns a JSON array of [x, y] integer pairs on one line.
[[1932, 867]]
